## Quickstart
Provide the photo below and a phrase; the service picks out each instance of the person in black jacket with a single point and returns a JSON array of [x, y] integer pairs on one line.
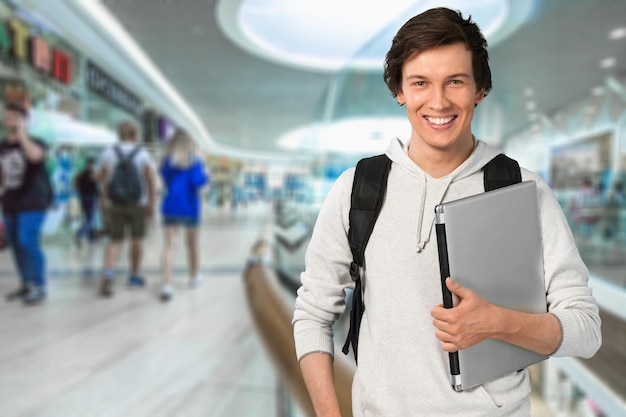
[[27, 193], [86, 185]]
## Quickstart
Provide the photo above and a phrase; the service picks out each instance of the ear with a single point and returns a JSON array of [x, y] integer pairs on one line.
[[400, 98], [479, 96]]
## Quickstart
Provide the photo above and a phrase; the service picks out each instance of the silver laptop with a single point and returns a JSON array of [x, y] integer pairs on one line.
[[491, 243]]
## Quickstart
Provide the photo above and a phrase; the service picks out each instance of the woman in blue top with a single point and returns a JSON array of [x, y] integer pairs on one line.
[[183, 173]]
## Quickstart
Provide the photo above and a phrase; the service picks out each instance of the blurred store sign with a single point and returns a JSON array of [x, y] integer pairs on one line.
[[110, 89], [18, 42]]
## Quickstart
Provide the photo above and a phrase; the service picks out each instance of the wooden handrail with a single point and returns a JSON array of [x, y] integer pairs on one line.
[[272, 312]]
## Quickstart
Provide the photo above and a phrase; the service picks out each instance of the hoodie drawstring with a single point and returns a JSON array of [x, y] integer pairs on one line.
[[423, 240]]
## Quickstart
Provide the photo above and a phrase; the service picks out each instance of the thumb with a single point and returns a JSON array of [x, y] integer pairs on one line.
[[455, 288]]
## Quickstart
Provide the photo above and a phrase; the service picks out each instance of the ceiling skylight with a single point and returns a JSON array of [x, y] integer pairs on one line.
[[337, 34]]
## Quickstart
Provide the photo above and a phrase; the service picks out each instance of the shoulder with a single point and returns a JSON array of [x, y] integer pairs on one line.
[[198, 162], [142, 152], [341, 189], [545, 196], [107, 156], [143, 156], [107, 152], [528, 175]]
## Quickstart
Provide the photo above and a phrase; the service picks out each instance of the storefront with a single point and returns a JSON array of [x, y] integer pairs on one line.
[[74, 105]]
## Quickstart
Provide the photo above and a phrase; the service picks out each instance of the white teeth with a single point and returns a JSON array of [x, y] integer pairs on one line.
[[439, 120]]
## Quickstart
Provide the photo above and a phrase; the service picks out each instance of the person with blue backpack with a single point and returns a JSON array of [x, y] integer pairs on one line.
[[129, 189], [437, 69]]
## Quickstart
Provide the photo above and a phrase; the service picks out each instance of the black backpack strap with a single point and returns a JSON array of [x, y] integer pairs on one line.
[[368, 194], [500, 172], [118, 152], [130, 156]]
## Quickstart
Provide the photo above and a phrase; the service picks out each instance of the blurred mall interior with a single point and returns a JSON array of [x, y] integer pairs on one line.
[[281, 98]]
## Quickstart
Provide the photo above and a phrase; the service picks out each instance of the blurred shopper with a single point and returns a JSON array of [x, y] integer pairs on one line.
[[128, 183], [437, 68], [585, 208], [27, 193], [86, 185], [615, 202], [183, 173]]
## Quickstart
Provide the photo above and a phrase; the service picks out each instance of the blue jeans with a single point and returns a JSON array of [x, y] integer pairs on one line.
[[23, 233], [88, 205]]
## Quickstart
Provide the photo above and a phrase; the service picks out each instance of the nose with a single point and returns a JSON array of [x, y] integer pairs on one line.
[[438, 99]]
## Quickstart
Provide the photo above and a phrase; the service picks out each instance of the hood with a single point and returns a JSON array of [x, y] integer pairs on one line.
[[434, 190]]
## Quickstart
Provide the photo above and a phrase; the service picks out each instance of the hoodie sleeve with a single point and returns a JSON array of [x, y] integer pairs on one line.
[[321, 298], [569, 296], [198, 174]]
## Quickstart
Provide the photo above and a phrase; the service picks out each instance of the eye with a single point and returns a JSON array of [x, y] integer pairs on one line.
[[419, 83]]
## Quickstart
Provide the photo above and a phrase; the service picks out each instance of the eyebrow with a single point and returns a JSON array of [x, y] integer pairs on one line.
[[451, 76]]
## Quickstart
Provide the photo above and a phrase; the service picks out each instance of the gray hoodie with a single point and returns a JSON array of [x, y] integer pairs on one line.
[[402, 369]]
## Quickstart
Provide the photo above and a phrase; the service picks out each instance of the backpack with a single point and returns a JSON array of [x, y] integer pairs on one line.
[[368, 194], [125, 184]]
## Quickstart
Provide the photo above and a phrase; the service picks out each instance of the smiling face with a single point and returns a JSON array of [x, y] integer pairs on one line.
[[439, 92]]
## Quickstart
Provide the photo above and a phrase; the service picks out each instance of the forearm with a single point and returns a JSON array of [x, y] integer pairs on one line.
[[540, 333], [101, 178], [317, 371]]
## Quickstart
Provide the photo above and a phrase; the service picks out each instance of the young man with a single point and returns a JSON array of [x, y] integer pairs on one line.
[[86, 185], [437, 68], [27, 193], [129, 215]]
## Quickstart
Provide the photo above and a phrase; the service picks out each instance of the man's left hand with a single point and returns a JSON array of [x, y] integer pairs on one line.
[[471, 321]]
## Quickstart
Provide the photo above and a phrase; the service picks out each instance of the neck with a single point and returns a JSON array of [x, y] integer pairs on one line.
[[438, 162]]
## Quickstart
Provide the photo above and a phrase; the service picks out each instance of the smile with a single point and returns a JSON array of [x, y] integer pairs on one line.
[[440, 121]]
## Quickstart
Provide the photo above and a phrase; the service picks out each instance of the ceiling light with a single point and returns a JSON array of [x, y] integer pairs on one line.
[[296, 33], [590, 110], [530, 106], [617, 33], [608, 62], [358, 135], [529, 92], [597, 91]]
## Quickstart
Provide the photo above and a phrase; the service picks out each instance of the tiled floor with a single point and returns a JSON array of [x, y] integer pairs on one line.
[[81, 355]]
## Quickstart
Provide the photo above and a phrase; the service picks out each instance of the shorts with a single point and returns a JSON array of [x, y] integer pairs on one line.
[[123, 217], [186, 221]]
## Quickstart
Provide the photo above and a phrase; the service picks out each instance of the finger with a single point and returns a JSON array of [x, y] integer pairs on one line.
[[455, 287], [441, 313], [446, 341], [439, 324], [449, 347], [437, 311]]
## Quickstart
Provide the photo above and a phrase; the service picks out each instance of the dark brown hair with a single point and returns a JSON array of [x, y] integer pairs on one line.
[[430, 29]]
